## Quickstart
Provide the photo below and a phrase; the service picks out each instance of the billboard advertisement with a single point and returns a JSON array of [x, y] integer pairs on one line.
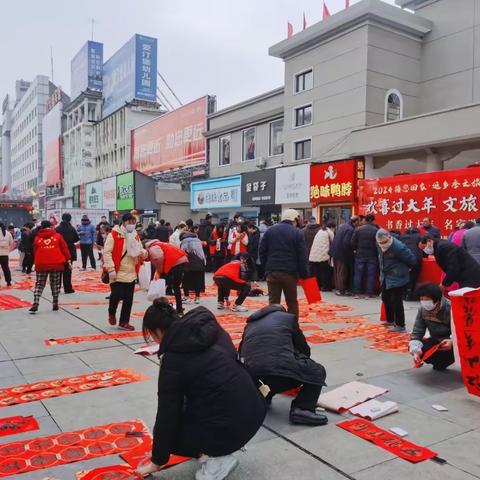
[[52, 146], [126, 191], [131, 73], [292, 184], [94, 196], [174, 140], [109, 189], [223, 192], [86, 69]]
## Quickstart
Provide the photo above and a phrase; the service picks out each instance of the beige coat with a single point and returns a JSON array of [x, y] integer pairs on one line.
[[128, 271]]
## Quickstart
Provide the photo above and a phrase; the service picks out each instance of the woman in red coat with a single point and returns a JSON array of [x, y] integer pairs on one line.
[[50, 253]]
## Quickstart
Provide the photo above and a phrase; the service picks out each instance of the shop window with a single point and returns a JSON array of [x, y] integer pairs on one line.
[[224, 149], [304, 81], [303, 149], [393, 106], [276, 138], [248, 144], [303, 116]]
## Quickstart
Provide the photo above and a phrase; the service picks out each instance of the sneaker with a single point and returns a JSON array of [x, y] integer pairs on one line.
[[112, 320], [67, 292], [399, 329], [220, 306], [187, 300], [339, 293], [239, 308], [357, 297], [216, 468], [126, 326], [34, 308], [197, 300], [306, 417]]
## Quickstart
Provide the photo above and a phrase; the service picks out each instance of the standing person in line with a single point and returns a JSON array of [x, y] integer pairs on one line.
[[284, 256], [218, 246], [50, 255], [70, 235], [411, 238], [309, 231], [342, 255], [27, 245], [395, 260], [232, 227], [239, 240], [457, 237], [123, 255], [428, 228], [364, 245], [253, 246], [262, 228], [204, 232], [471, 241], [319, 259], [102, 235], [161, 231], [175, 237], [194, 272], [7, 244], [88, 235], [150, 233]]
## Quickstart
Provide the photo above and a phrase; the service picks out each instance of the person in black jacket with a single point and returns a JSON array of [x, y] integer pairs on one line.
[[275, 351], [411, 238], [253, 246], [207, 401], [283, 254], [70, 235], [204, 232], [162, 232], [26, 240], [150, 232], [457, 264]]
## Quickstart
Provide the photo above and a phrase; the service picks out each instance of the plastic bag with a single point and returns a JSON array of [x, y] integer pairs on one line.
[[144, 276], [156, 290]]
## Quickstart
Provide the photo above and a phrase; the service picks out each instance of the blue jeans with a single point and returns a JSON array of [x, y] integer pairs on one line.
[[370, 266]]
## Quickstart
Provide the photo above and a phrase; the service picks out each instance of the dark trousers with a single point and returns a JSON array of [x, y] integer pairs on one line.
[[285, 282], [67, 279], [27, 263], [369, 267], [122, 292], [226, 284], [410, 288], [440, 359], [260, 272], [306, 399], [323, 273], [193, 282], [218, 261], [342, 275], [393, 301], [87, 253], [175, 278], [6, 269]]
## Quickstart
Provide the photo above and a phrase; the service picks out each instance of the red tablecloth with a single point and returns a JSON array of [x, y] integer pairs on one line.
[[430, 272]]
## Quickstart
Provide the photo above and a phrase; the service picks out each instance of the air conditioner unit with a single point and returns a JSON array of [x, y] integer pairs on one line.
[[261, 162]]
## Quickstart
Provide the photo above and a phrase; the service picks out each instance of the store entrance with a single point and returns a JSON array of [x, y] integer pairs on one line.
[[337, 215]]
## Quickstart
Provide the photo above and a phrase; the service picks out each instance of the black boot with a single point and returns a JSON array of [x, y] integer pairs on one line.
[[306, 417]]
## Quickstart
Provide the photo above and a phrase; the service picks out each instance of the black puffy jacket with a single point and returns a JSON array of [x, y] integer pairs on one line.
[[202, 387], [274, 345], [70, 235], [364, 241], [411, 238]]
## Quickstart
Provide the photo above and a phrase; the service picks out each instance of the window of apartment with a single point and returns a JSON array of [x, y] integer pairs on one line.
[[304, 81], [248, 137], [302, 149], [303, 116], [393, 106], [276, 138], [224, 149]]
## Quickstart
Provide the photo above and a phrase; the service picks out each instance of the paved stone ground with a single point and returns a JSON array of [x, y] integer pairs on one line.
[[279, 451]]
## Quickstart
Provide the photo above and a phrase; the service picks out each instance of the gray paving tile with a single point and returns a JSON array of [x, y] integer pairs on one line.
[[56, 365], [36, 409]]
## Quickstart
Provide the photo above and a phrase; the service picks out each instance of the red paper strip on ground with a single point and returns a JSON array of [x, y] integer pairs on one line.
[[142, 454], [10, 302], [431, 351], [92, 338], [14, 425], [113, 472]]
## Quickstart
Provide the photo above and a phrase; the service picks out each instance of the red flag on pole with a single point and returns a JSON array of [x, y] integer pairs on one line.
[[326, 11], [290, 29], [304, 21], [347, 3]]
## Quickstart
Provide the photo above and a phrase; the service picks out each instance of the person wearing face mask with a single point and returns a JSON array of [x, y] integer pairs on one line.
[[457, 264], [433, 316], [123, 254], [395, 261]]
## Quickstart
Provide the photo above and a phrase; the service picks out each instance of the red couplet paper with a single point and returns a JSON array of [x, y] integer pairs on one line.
[[14, 425], [431, 351], [388, 441], [113, 472], [10, 302], [143, 453], [311, 290], [69, 447], [92, 338]]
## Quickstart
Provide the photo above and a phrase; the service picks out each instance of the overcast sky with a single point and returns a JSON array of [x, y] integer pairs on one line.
[[217, 47]]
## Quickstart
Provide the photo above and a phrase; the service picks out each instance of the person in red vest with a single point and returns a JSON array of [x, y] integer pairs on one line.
[[239, 240], [169, 262], [218, 246], [234, 276], [50, 253], [123, 254]]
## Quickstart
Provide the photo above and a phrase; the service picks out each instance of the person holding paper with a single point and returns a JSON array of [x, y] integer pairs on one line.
[[434, 315]]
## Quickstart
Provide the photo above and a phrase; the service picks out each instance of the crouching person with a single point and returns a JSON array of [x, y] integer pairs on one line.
[[208, 403], [275, 352], [434, 315]]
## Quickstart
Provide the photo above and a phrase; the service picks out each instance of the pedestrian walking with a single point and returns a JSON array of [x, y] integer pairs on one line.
[[194, 271], [123, 255], [207, 402], [471, 241], [319, 259], [87, 234], [27, 238], [71, 237], [284, 257], [50, 255], [218, 246], [395, 260], [411, 238], [7, 244], [276, 353]]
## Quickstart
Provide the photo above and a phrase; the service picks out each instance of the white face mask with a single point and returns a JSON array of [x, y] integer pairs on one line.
[[428, 250], [427, 304], [130, 228], [385, 246]]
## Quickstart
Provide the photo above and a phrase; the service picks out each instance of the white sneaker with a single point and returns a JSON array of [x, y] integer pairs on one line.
[[216, 468], [197, 300], [187, 300], [239, 308]]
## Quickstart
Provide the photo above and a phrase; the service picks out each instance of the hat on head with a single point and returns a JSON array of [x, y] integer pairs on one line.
[[312, 219], [290, 215]]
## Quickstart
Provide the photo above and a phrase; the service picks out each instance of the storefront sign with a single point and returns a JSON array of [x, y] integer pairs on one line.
[[292, 184], [446, 197], [258, 188], [126, 191], [223, 192], [335, 181], [94, 195], [109, 189]]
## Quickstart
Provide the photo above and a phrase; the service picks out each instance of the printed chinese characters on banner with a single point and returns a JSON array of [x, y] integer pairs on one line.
[[447, 198]]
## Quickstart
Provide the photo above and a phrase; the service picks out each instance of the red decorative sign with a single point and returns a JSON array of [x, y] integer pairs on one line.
[[14, 425], [388, 441], [447, 197], [335, 181]]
